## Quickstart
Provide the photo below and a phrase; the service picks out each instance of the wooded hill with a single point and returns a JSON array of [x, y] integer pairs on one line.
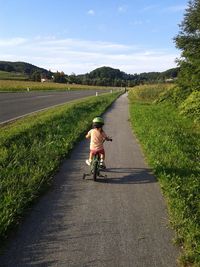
[[115, 77], [31, 72], [103, 76]]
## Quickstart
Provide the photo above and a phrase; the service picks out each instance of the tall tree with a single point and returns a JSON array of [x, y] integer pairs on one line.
[[59, 77], [188, 40]]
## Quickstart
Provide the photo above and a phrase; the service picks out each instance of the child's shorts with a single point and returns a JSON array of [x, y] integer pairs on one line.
[[101, 151]]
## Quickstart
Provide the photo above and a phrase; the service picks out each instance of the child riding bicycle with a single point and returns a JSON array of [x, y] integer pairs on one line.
[[97, 137]]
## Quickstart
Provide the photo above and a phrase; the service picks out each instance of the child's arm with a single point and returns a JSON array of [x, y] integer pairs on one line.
[[88, 135], [107, 138]]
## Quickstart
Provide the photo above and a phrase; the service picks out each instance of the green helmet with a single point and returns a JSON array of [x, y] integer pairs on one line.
[[98, 121]]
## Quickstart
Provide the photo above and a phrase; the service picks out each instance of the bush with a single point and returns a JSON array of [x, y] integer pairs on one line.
[[174, 95], [191, 106]]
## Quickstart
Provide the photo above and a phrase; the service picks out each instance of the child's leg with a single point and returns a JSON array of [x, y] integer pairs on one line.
[[102, 163], [91, 156], [102, 153], [88, 161], [103, 157]]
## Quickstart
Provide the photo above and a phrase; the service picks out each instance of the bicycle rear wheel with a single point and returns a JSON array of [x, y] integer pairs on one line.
[[95, 170]]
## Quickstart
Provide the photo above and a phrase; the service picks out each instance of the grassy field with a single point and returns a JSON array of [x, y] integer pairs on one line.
[[171, 145], [148, 93], [4, 75], [20, 86], [27, 145]]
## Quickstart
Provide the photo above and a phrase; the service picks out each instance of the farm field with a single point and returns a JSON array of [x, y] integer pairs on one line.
[[21, 86], [4, 75]]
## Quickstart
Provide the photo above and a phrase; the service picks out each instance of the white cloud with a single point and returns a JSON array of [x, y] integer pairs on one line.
[[159, 8], [122, 9], [81, 56], [150, 7], [91, 12], [175, 8], [12, 42]]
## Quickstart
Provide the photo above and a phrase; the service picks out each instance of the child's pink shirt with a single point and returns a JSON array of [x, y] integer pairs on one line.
[[97, 138]]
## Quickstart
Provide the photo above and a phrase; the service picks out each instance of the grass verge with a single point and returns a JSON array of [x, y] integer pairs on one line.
[[31, 150], [171, 144]]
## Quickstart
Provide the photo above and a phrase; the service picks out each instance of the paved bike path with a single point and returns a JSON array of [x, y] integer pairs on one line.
[[121, 221]]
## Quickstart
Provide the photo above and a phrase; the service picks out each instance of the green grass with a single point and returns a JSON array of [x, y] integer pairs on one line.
[[171, 145], [20, 86], [4, 75], [148, 93], [186, 100], [31, 150]]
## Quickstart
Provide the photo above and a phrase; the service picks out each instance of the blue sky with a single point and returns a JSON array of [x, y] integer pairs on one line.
[[80, 35]]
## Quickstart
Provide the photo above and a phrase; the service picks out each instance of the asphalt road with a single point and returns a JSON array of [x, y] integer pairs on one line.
[[120, 221], [14, 105]]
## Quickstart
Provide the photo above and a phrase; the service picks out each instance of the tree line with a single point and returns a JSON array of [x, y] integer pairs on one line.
[[188, 41], [107, 76], [103, 76]]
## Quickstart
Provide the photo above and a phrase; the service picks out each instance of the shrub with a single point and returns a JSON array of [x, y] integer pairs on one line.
[[191, 106], [174, 95]]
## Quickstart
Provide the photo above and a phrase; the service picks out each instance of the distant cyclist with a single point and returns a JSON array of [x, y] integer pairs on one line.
[[97, 137]]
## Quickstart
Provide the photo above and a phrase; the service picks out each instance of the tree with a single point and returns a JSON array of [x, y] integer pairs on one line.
[[59, 77], [72, 78], [188, 40], [36, 76]]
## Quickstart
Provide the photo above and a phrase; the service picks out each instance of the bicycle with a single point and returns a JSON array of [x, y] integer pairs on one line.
[[96, 167]]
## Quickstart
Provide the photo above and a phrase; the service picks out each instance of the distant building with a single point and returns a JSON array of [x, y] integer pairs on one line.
[[44, 80]]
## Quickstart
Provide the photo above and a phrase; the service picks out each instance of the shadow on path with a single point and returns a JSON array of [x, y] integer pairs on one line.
[[128, 176]]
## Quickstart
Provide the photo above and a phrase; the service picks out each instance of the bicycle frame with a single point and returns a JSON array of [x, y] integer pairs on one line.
[[95, 168]]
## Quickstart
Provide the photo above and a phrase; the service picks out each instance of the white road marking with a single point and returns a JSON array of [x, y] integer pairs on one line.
[[30, 113]]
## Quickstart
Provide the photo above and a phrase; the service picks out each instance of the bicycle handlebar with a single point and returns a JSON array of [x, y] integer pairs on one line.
[[108, 139]]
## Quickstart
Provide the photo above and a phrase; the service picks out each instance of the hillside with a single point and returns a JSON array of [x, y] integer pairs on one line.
[[21, 69], [115, 77], [103, 76]]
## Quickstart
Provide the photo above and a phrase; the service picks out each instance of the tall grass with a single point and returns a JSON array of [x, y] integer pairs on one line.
[[148, 92], [20, 86], [31, 150], [186, 100], [171, 144]]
